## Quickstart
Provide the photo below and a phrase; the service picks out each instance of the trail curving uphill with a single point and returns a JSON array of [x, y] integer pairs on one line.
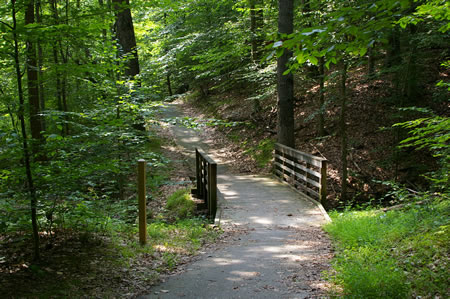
[[281, 251]]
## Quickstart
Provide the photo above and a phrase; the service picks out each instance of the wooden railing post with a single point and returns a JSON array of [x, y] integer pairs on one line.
[[212, 190], [204, 181], [198, 171], [142, 203], [323, 181]]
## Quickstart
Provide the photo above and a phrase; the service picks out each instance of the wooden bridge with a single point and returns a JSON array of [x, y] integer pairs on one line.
[[304, 172]]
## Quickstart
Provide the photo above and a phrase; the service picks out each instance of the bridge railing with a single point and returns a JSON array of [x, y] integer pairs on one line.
[[206, 174], [305, 172]]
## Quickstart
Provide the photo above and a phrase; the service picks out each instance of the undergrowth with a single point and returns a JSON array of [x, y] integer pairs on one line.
[[262, 152], [393, 254], [91, 243], [180, 205]]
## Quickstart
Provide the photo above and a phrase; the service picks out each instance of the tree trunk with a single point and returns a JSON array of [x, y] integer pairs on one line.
[[104, 32], [343, 127], [66, 126], [285, 86], [371, 62], [125, 35], [61, 77], [33, 85], [256, 23], [26, 153], [40, 67], [58, 80], [410, 89], [321, 124], [393, 49], [169, 85]]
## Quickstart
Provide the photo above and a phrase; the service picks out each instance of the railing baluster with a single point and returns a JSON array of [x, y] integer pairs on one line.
[[323, 181], [197, 173]]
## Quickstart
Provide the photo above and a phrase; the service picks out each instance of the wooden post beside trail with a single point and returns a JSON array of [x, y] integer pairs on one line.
[[142, 202]]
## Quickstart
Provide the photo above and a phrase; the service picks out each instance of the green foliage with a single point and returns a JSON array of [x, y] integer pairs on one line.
[[180, 205], [196, 123], [433, 134], [262, 153], [437, 9], [83, 172], [392, 254]]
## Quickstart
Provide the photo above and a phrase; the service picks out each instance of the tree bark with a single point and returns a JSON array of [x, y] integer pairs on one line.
[[371, 62], [40, 67], [169, 85], [256, 23], [33, 85], [343, 127], [285, 86], [393, 49], [411, 90], [26, 152], [321, 124], [61, 77], [104, 32], [126, 37]]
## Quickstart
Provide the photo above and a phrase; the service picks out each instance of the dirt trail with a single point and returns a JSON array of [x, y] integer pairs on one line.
[[280, 253]]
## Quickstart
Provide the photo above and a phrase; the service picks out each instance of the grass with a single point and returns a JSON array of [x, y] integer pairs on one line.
[[397, 254], [180, 205], [184, 236]]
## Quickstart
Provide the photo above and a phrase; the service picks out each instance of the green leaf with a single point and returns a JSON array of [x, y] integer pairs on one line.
[[280, 52], [363, 51], [313, 60], [300, 58]]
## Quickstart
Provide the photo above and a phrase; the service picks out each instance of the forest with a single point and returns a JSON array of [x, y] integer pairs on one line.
[[364, 84]]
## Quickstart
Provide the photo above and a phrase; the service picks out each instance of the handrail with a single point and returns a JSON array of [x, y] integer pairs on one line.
[[206, 174], [302, 170]]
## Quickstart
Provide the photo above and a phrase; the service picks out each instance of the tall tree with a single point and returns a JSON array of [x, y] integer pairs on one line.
[[256, 23], [33, 83], [25, 148], [40, 64], [285, 82], [321, 116], [343, 131], [126, 37]]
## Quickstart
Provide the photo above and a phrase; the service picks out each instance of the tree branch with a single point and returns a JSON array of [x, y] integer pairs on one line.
[[7, 25]]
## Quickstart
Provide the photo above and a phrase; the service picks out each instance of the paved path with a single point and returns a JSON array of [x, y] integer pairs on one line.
[[282, 234]]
